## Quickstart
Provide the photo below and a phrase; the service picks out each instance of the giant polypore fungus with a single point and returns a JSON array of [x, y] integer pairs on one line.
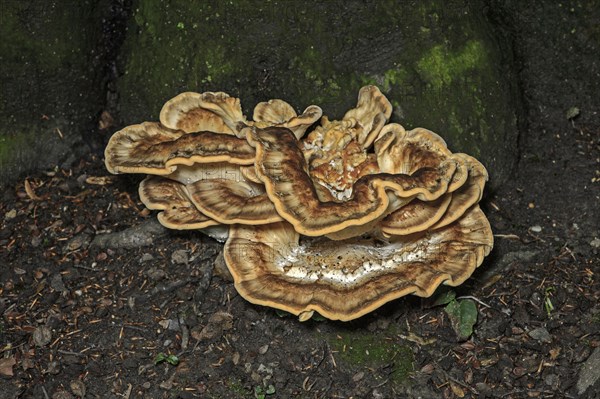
[[401, 208]]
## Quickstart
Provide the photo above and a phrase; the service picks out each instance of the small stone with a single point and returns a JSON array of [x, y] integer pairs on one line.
[[482, 387], [595, 243], [131, 302], [146, 258], [156, 274], [36, 241], [582, 354], [264, 369], [105, 302], [27, 363], [383, 323], [42, 336], [589, 373], [77, 242], [53, 368], [10, 214], [57, 283], [170, 324], [180, 257], [263, 349], [247, 367], [70, 360], [185, 293], [62, 395], [217, 324], [101, 312], [221, 268], [255, 377], [81, 179], [428, 368], [541, 335], [536, 299], [236, 358], [516, 331], [358, 376], [131, 363], [168, 384], [536, 229]]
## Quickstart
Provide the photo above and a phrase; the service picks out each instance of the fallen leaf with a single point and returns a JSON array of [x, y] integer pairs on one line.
[[457, 390], [217, 324], [6, 366], [30, 193], [444, 298], [463, 316], [572, 112], [42, 336], [99, 180]]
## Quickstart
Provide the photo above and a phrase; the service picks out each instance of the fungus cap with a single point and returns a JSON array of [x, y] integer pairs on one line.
[[195, 112], [401, 206], [272, 267], [154, 149], [280, 114], [172, 198], [280, 165]]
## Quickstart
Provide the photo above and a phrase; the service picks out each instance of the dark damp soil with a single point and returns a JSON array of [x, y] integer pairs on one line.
[[85, 319], [145, 316]]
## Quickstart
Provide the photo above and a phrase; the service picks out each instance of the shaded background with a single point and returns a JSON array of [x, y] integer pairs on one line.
[[514, 83], [450, 77], [459, 68]]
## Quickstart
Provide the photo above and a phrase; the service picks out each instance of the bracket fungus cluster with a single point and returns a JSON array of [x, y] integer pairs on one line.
[[339, 221]]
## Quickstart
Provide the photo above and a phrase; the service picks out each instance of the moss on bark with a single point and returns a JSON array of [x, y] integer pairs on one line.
[[436, 61]]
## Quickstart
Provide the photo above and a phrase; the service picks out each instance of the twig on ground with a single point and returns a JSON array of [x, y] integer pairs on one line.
[[70, 353], [479, 301]]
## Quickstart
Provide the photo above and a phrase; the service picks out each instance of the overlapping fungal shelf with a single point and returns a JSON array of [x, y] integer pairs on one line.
[[334, 217]]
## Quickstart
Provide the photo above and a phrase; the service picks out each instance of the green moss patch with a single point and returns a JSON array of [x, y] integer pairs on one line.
[[440, 66], [356, 350], [438, 74]]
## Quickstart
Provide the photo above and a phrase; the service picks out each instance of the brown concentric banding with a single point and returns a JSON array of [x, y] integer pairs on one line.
[[194, 112], [229, 201], [281, 166], [468, 194], [372, 111], [171, 197], [416, 216], [256, 257], [440, 237], [401, 151], [153, 149], [281, 114]]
